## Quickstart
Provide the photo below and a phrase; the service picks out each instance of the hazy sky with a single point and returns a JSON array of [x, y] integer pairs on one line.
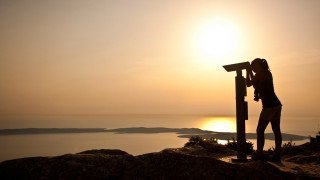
[[142, 56]]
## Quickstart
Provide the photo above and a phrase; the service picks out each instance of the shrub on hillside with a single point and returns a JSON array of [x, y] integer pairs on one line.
[[233, 145]]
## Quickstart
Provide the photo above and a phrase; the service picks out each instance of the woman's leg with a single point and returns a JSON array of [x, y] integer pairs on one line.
[[275, 123], [262, 124]]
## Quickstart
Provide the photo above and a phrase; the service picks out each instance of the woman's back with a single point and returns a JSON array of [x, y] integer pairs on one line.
[[266, 91]]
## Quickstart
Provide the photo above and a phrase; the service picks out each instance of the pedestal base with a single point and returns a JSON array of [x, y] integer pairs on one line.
[[236, 160]]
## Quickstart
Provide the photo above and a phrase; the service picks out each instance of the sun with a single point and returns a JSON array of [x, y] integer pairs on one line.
[[215, 39]]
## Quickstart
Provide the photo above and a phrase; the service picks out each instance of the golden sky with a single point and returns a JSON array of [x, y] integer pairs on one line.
[[124, 56]]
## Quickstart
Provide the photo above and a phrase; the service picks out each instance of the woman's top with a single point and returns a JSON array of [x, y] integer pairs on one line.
[[266, 92]]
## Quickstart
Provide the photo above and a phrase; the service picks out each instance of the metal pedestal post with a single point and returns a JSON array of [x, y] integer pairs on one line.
[[242, 115]]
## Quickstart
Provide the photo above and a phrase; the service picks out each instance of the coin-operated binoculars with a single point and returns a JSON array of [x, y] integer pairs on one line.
[[241, 108]]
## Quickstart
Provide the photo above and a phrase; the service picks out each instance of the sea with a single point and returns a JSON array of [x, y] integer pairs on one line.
[[53, 144]]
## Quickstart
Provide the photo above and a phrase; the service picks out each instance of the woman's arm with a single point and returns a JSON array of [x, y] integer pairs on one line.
[[249, 77], [254, 79]]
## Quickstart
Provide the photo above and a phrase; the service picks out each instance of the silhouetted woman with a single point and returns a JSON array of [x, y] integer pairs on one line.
[[262, 82]]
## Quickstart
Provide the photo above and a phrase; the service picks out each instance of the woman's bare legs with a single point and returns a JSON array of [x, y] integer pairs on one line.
[[275, 123], [262, 124]]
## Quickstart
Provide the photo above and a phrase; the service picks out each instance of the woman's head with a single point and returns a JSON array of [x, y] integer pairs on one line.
[[259, 65]]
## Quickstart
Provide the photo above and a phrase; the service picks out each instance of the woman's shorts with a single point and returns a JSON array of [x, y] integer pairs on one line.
[[271, 114]]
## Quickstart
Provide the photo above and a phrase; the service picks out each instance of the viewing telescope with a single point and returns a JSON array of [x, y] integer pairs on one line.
[[237, 67], [241, 108]]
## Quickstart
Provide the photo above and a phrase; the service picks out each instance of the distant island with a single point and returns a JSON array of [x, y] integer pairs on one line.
[[182, 132]]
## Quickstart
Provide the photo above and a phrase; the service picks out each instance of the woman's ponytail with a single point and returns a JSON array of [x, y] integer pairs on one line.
[[263, 63]]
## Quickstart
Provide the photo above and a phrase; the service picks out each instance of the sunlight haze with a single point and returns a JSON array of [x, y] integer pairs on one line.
[[124, 56]]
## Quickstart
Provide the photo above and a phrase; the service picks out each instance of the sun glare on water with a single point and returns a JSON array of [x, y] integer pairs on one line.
[[219, 124]]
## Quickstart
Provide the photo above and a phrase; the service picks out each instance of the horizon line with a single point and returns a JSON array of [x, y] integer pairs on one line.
[[101, 114], [148, 114]]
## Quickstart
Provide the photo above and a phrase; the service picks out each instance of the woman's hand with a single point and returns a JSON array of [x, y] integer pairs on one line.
[[249, 77]]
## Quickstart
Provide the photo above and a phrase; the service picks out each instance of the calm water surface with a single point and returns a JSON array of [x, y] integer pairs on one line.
[[17, 146]]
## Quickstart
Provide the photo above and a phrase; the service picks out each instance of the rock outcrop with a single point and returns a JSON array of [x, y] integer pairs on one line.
[[194, 161]]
